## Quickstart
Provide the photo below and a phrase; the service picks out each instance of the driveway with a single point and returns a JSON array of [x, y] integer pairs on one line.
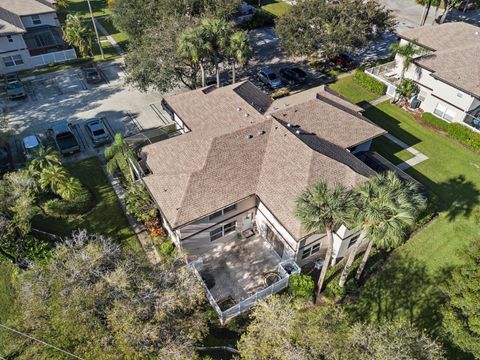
[[66, 95]]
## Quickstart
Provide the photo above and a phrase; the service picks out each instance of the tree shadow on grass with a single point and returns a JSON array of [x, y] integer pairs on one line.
[[390, 124], [456, 197], [402, 290]]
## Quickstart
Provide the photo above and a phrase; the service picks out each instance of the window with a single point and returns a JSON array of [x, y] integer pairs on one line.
[[444, 112], [228, 228], [353, 240], [9, 38], [422, 95], [449, 115], [12, 60], [310, 251], [219, 213], [36, 20], [216, 234], [223, 230]]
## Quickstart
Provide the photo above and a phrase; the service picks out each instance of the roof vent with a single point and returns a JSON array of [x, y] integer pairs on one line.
[[298, 132], [286, 104], [262, 132], [275, 108], [249, 136], [239, 109], [247, 115], [289, 125]]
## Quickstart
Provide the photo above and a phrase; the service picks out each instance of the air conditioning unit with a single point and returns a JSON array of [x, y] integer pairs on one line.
[[415, 103]]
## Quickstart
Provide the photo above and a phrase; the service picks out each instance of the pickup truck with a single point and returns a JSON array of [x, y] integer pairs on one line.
[[64, 137]]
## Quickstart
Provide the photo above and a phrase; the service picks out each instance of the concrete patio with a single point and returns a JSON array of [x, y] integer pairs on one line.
[[237, 269]]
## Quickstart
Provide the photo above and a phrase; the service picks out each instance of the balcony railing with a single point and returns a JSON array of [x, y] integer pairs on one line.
[[386, 73], [54, 57]]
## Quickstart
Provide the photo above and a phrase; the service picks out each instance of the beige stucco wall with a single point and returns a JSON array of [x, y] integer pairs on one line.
[[46, 19], [25, 57]]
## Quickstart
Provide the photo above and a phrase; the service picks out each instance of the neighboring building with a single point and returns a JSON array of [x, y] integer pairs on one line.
[[239, 166], [30, 35], [447, 73]]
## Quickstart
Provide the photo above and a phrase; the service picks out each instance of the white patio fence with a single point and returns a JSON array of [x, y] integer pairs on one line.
[[54, 57], [247, 303]]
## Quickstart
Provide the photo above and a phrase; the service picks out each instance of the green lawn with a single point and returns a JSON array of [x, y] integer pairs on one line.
[[409, 286], [80, 7], [118, 36], [7, 298], [350, 89], [106, 218], [276, 7]]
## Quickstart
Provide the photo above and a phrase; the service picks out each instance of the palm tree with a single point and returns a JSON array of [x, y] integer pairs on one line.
[[45, 158], [216, 33], [408, 52], [387, 208], [53, 178], [70, 189], [239, 50], [78, 34], [321, 209], [120, 157], [192, 47]]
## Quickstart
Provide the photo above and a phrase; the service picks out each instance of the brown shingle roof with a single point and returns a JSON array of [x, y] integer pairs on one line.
[[455, 58], [228, 157], [10, 23], [444, 36]]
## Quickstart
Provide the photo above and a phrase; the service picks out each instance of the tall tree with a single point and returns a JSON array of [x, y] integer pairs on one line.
[[328, 28], [388, 208], [407, 52], [321, 209], [192, 47], [285, 329], [216, 34], [53, 178], [461, 315], [95, 300], [154, 27], [239, 50], [78, 34], [17, 196], [377, 211]]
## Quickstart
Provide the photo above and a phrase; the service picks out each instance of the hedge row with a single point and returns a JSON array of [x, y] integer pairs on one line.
[[369, 83], [455, 130], [60, 208], [435, 121]]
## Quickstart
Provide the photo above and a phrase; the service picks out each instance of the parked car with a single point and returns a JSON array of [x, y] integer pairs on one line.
[[91, 74], [269, 78], [467, 5], [98, 133], [293, 75], [14, 87], [344, 61], [31, 145], [5, 159], [64, 138]]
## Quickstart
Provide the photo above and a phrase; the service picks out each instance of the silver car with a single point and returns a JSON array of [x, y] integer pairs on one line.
[[31, 146], [269, 78], [14, 87]]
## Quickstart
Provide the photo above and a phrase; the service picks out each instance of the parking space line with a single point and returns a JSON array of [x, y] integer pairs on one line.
[[109, 127], [134, 120]]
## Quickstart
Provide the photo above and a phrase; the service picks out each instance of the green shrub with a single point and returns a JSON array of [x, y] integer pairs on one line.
[[280, 93], [260, 19], [60, 208], [465, 135], [406, 88], [301, 286], [435, 121], [369, 83]]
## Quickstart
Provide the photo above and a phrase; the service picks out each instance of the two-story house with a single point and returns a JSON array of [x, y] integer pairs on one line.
[[226, 187], [30, 35], [447, 71]]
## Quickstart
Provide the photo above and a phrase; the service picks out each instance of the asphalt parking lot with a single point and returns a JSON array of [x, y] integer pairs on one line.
[[65, 95]]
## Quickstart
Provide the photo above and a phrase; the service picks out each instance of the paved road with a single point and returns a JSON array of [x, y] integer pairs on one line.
[[409, 13]]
